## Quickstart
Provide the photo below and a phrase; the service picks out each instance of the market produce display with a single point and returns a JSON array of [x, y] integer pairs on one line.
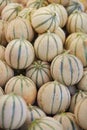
[[43, 64]]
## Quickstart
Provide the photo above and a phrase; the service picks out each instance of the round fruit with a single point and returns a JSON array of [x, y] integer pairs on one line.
[[36, 4], [45, 123], [39, 72], [76, 22], [61, 12], [6, 73], [54, 94], [13, 111], [82, 85], [11, 11], [76, 98], [50, 43], [78, 43], [22, 86], [81, 113], [19, 53], [67, 69], [45, 19], [67, 120], [17, 28]]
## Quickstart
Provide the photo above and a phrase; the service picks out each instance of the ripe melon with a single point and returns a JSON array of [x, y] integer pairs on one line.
[[81, 113], [17, 28], [67, 120], [19, 53], [23, 86], [45, 123], [76, 22], [50, 43], [39, 72], [56, 95], [45, 19], [67, 69], [11, 11], [13, 111], [6, 73], [76, 98], [36, 4]]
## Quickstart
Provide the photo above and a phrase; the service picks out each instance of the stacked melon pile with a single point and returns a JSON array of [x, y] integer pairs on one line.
[[43, 60]]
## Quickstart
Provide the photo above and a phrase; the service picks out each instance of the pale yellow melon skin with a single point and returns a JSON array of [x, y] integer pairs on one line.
[[17, 28], [27, 90], [61, 12], [36, 113], [50, 43], [75, 99], [50, 93], [76, 22], [60, 67], [3, 26], [66, 119], [42, 73], [37, 3], [78, 43], [45, 123], [2, 52], [6, 73], [62, 2], [82, 85], [20, 109], [26, 54], [11, 11], [3, 3], [26, 13], [60, 33], [45, 19], [1, 91], [81, 113]]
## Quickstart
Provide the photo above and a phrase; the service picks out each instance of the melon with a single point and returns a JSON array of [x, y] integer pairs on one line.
[[3, 3], [82, 85], [73, 6], [39, 72], [26, 13], [11, 11], [76, 98], [54, 94], [23, 86], [67, 120], [19, 53], [17, 28], [1, 91], [78, 43], [59, 31], [76, 22], [50, 43], [61, 12], [3, 26], [81, 113], [67, 64], [6, 73], [45, 123], [2, 52], [62, 2], [13, 111], [45, 19], [36, 4], [33, 113]]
